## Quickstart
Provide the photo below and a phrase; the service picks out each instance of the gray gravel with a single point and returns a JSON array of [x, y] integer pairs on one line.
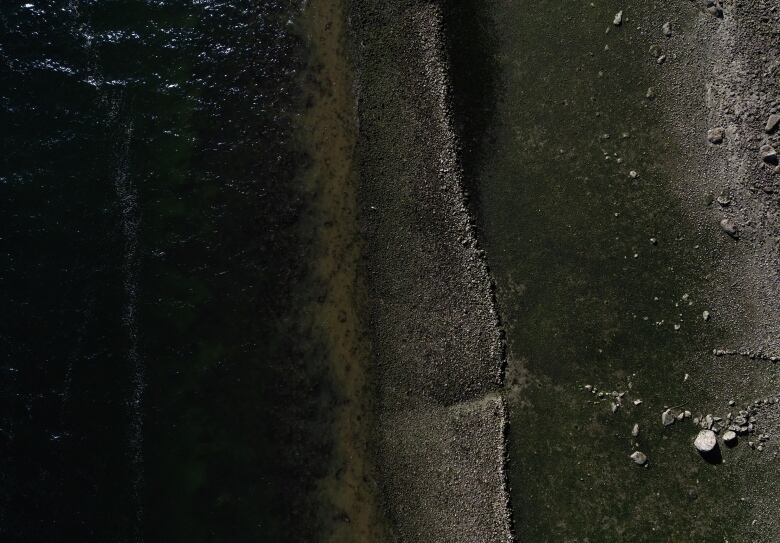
[[437, 346]]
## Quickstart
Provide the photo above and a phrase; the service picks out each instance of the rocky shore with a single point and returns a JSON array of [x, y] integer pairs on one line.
[[437, 346], [438, 351], [727, 84]]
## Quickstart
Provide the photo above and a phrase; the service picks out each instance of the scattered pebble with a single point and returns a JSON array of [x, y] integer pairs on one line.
[[705, 315], [618, 20], [714, 9], [637, 402], [667, 29], [667, 418], [633, 174], [705, 441], [635, 430], [728, 226], [772, 123], [768, 154], [639, 458], [661, 59], [650, 94], [715, 135]]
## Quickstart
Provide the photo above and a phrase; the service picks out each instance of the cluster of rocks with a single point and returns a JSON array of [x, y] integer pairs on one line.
[[767, 153], [753, 355], [727, 428], [616, 398]]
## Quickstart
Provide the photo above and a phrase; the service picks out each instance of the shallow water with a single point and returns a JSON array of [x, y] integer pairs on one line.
[[553, 123], [166, 371]]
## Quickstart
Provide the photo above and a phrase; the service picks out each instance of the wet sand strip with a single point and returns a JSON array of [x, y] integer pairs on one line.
[[437, 348]]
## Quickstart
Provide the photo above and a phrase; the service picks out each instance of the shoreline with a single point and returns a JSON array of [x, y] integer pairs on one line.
[[349, 507]]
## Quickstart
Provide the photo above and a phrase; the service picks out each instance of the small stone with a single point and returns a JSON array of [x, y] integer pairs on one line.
[[680, 416], [654, 241], [705, 315], [729, 437], [768, 154], [714, 9], [618, 20], [667, 29], [654, 50], [715, 135], [732, 403], [705, 441], [661, 59], [639, 458], [772, 123], [650, 94], [667, 418], [687, 414], [708, 422], [633, 174], [635, 430], [637, 402], [615, 407], [728, 226], [589, 388]]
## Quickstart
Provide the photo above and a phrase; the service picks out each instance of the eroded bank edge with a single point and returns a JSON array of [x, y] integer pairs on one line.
[[426, 22]]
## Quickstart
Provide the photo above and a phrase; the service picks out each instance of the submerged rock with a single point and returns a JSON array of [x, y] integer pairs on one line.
[[705, 441]]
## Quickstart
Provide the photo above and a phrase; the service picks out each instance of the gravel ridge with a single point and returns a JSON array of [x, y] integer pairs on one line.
[[438, 348]]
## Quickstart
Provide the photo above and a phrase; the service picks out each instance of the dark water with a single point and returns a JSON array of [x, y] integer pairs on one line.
[[160, 379]]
